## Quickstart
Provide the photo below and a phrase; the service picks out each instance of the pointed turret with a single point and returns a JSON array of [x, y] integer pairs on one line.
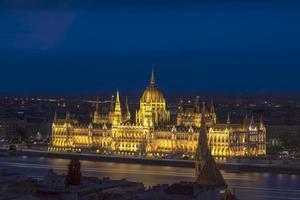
[[117, 113], [55, 117], [67, 116], [228, 119], [203, 107], [152, 81], [202, 148], [212, 107], [210, 176], [252, 121], [127, 112], [261, 123], [252, 125], [207, 173], [126, 104], [246, 122], [117, 103]]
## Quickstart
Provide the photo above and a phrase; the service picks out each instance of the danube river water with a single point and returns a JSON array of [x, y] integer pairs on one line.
[[246, 185]]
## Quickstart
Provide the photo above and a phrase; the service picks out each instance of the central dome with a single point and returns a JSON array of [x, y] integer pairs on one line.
[[152, 94]]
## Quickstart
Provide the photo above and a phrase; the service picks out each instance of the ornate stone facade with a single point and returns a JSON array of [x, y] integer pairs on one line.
[[153, 135]]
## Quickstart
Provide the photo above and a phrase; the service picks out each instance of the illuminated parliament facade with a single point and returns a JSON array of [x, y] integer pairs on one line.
[[154, 134]]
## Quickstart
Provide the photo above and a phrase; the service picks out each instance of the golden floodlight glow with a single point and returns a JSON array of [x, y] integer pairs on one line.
[[152, 135]]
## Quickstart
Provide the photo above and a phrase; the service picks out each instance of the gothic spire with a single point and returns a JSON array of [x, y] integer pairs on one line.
[[55, 117], [126, 104], [118, 104], [209, 176], [203, 108], [202, 148], [118, 97], [152, 81], [212, 108], [252, 120], [228, 119], [117, 113], [207, 172], [261, 122], [67, 116], [127, 112]]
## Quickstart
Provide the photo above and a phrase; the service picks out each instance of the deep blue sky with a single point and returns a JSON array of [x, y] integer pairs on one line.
[[238, 46]]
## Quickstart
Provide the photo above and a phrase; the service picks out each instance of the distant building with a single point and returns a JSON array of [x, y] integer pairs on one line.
[[154, 135], [29, 128]]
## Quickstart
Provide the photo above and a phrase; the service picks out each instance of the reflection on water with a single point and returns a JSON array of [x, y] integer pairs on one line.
[[256, 185]]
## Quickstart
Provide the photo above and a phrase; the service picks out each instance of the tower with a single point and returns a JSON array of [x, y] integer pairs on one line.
[[127, 114], [202, 148], [55, 117], [261, 123], [207, 173], [228, 119], [212, 107], [252, 125], [67, 116], [152, 81], [152, 106], [117, 113], [212, 112]]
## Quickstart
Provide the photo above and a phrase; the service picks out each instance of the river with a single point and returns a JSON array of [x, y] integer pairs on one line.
[[246, 185]]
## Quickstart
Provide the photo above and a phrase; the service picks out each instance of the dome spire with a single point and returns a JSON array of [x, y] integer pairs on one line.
[[152, 81]]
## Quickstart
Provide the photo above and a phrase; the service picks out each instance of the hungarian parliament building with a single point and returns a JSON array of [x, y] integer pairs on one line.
[[153, 134]]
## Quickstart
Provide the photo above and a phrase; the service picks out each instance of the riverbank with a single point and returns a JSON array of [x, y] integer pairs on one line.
[[234, 167]]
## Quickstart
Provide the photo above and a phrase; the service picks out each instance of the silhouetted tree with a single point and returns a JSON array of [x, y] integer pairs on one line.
[[74, 173]]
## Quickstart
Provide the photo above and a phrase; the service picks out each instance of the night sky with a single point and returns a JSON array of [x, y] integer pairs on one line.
[[63, 47]]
